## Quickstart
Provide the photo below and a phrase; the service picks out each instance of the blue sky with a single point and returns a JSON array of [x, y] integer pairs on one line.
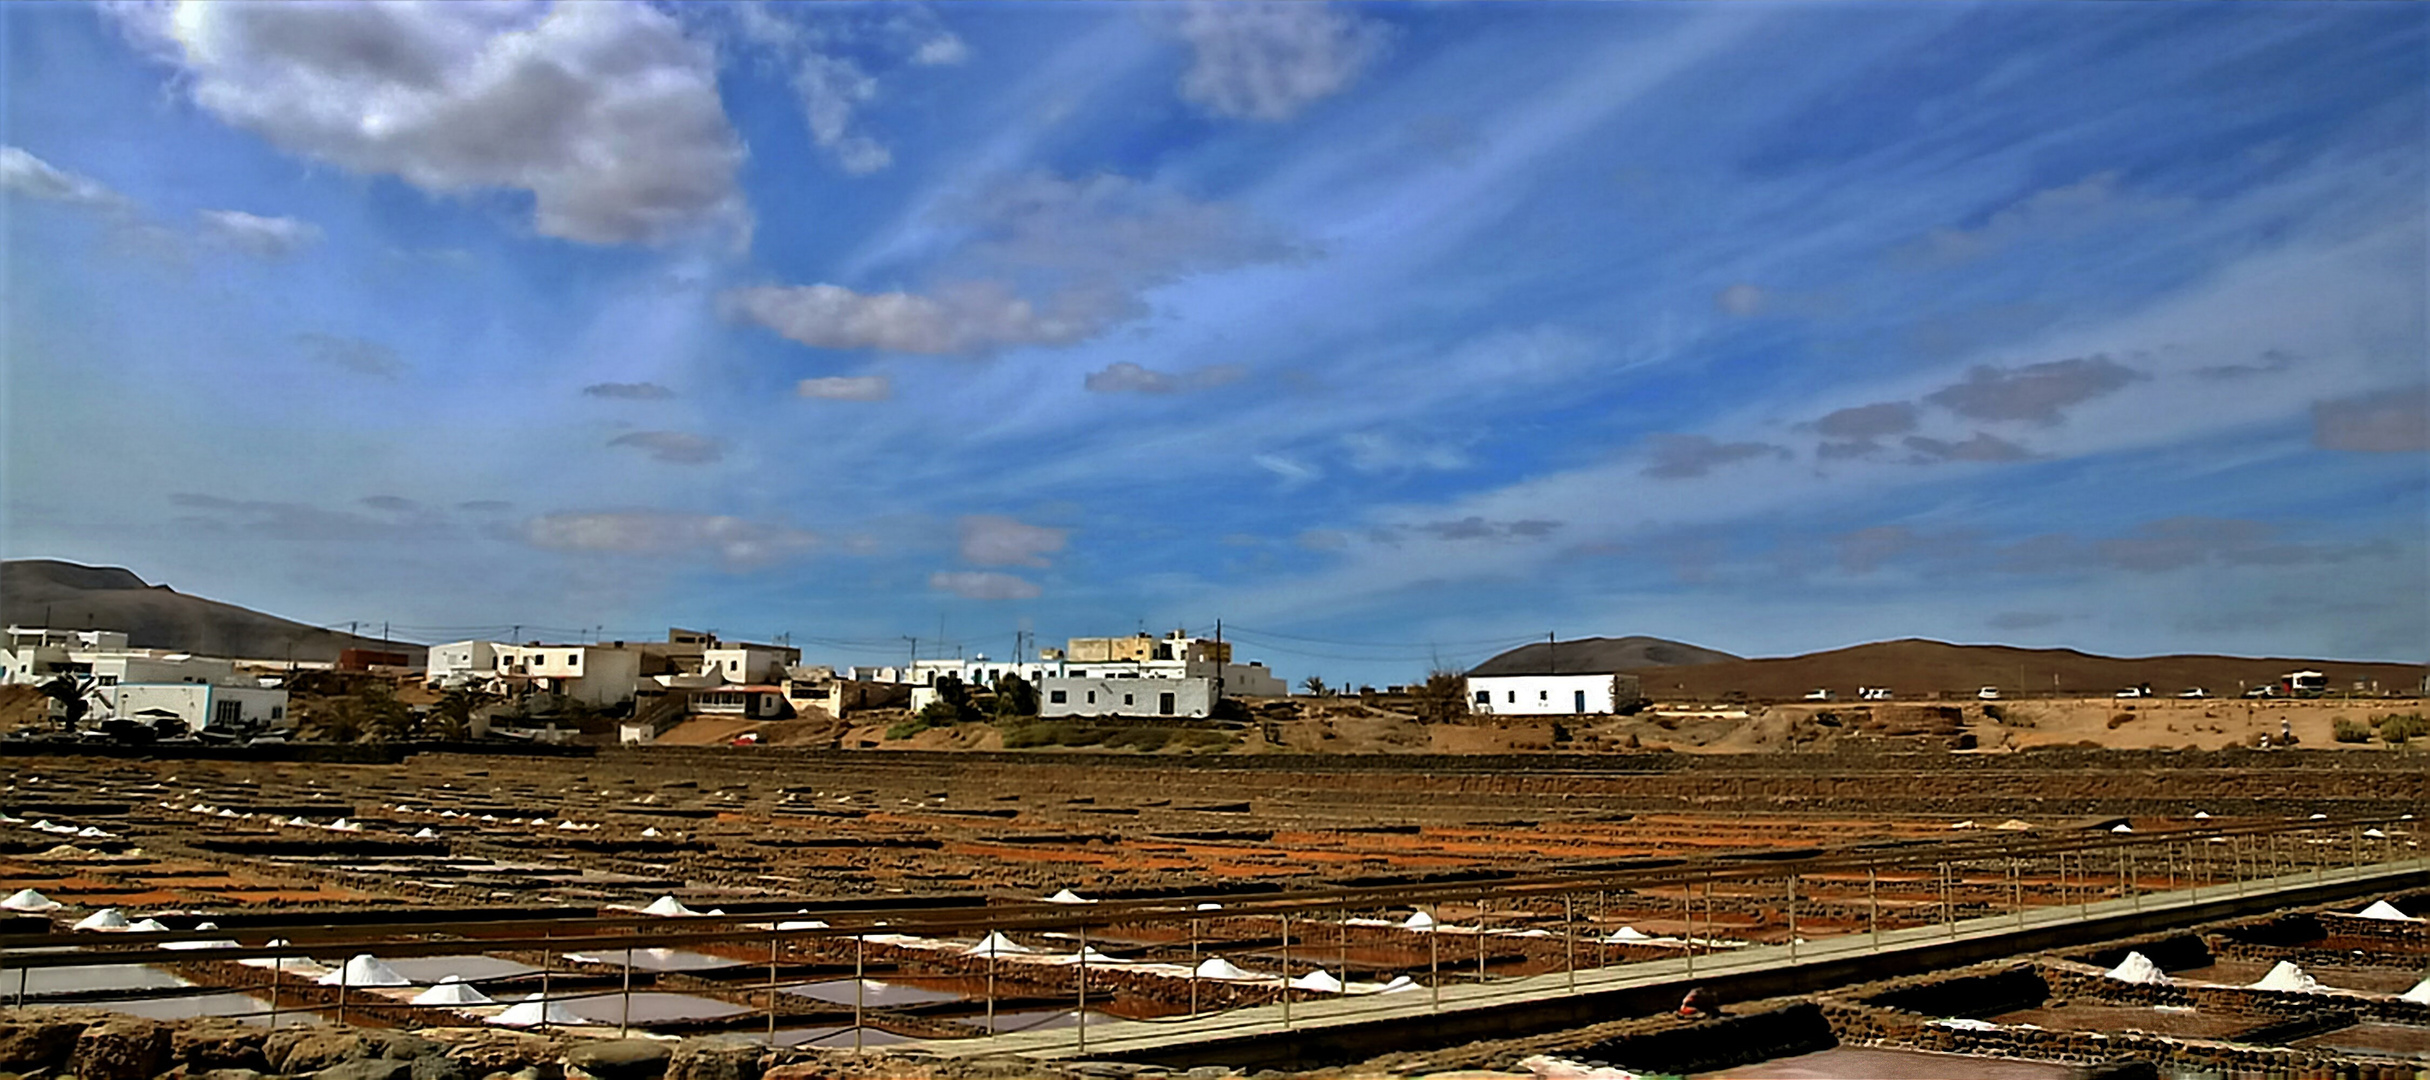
[[1389, 335]]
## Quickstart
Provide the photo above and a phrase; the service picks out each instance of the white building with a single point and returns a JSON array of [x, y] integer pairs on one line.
[[1550, 695], [745, 664], [1128, 695], [203, 691], [596, 675], [204, 705], [459, 663]]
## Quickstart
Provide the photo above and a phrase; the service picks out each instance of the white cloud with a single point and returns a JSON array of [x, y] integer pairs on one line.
[[966, 319], [984, 585], [1373, 452], [943, 50], [831, 87], [994, 540], [22, 173], [847, 388], [268, 237], [1087, 248], [732, 541], [1293, 473], [1267, 61], [605, 113]]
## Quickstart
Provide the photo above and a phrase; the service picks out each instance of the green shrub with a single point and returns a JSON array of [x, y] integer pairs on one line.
[[904, 729], [2396, 730], [2350, 732]]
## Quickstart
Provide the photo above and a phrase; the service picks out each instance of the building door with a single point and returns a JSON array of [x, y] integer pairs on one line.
[[1164, 704], [1580, 706], [227, 713]]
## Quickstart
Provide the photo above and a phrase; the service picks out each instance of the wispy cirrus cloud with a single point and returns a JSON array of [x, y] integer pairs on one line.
[[984, 585], [1269, 61], [628, 391]]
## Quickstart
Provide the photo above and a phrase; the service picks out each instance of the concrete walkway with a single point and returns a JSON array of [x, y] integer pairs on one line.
[[1460, 1011]]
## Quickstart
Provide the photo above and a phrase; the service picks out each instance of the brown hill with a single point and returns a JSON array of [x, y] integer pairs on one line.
[[36, 592], [1914, 668], [1597, 654]]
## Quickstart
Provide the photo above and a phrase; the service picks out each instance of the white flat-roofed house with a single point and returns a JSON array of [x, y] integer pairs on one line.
[[1578, 694], [1127, 695], [596, 675], [459, 663], [203, 705]]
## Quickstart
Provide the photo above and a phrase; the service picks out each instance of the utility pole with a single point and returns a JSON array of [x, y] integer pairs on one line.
[[915, 658], [1552, 654]]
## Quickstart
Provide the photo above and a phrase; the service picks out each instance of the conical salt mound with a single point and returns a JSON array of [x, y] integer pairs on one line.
[[996, 944], [668, 906], [2381, 909], [1066, 896], [1626, 934], [28, 900], [2122, 827], [1089, 955], [426, 834], [2420, 994], [1400, 984], [1418, 920], [150, 926], [1216, 967], [1319, 981], [107, 918], [2286, 976], [365, 970], [2138, 968], [535, 1012], [651, 833], [451, 991]]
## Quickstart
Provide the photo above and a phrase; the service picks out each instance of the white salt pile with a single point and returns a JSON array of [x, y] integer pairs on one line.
[[1966, 824], [451, 991], [2138, 968], [2375, 834], [2381, 909], [1627, 934], [534, 1012], [1216, 967], [2014, 825], [1208, 906], [1066, 896], [1548, 1067], [2202, 815], [28, 900], [2286, 976], [1089, 955], [426, 834], [801, 924], [2123, 827], [651, 833], [150, 926], [364, 970], [996, 944], [1964, 1023], [667, 906], [1400, 984], [1318, 981], [107, 918], [1418, 921], [2420, 994]]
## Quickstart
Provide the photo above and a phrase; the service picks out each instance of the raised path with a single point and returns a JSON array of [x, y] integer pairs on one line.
[[1337, 1030]]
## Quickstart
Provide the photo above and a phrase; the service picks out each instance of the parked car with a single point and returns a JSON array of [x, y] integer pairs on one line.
[[1818, 695], [2131, 691], [1988, 693], [1873, 693], [2193, 692]]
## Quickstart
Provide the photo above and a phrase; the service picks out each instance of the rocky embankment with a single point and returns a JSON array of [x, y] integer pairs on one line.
[[65, 1043]]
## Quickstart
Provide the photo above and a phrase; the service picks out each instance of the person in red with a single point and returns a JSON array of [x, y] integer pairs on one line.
[[1699, 1004]]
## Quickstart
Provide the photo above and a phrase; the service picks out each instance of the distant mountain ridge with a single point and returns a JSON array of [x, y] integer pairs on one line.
[[1599, 654], [66, 595], [1913, 667]]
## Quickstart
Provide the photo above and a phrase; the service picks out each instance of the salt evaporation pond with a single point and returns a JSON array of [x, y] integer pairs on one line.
[[1863, 1063], [651, 1007], [97, 978], [656, 960], [245, 1007], [426, 970], [874, 994]]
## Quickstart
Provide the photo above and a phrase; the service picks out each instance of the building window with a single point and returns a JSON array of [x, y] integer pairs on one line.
[[1164, 704], [1484, 697], [1092, 697], [278, 712], [1543, 695], [1512, 698], [108, 680], [1126, 699], [572, 659], [1055, 696]]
